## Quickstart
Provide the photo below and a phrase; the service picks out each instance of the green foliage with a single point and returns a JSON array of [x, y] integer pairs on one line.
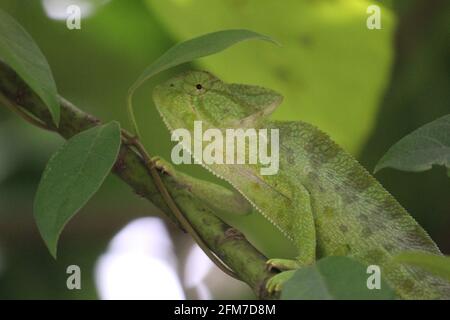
[[20, 52], [331, 69], [437, 265], [190, 50], [334, 278], [338, 85], [73, 174], [420, 150]]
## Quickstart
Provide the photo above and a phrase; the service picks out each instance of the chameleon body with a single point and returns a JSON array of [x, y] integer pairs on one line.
[[322, 199]]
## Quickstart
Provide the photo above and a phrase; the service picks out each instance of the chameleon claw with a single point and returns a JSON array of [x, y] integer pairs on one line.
[[288, 268], [269, 266], [275, 284], [153, 162], [162, 165], [272, 286], [282, 264]]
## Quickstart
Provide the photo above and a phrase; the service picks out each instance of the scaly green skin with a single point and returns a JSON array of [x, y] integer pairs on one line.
[[322, 199]]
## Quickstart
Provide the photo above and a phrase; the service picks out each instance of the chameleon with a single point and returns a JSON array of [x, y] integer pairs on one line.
[[322, 199]]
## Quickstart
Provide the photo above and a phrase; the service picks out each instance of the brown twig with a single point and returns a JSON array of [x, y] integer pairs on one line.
[[236, 252]]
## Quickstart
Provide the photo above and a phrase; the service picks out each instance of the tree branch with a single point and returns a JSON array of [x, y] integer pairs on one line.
[[226, 242]]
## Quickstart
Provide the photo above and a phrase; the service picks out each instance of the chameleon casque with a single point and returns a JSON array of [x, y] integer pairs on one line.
[[321, 199]]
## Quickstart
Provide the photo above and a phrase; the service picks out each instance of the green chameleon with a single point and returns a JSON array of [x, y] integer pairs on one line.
[[321, 199]]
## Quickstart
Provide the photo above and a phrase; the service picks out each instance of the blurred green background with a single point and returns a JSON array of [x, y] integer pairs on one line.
[[366, 88]]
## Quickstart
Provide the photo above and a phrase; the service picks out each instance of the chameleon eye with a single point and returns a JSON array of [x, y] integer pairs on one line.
[[196, 87]]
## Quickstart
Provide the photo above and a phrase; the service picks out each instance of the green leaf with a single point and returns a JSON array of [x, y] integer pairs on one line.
[[190, 50], [73, 174], [420, 150], [196, 48], [332, 70], [437, 265], [334, 278], [20, 52]]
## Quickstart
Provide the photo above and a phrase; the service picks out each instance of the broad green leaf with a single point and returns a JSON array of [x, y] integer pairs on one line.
[[190, 50], [334, 278], [20, 52], [331, 69], [420, 150], [73, 174], [437, 265], [196, 48]]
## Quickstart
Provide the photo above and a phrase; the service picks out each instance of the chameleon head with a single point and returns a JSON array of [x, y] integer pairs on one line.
[[200, 96]]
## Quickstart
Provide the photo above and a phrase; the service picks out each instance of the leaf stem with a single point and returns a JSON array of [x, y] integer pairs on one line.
[[130, 111], [135, 142]]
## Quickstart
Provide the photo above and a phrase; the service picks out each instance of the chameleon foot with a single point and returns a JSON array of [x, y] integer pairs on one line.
[[282, 264], [163, 166], [275, 284]]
